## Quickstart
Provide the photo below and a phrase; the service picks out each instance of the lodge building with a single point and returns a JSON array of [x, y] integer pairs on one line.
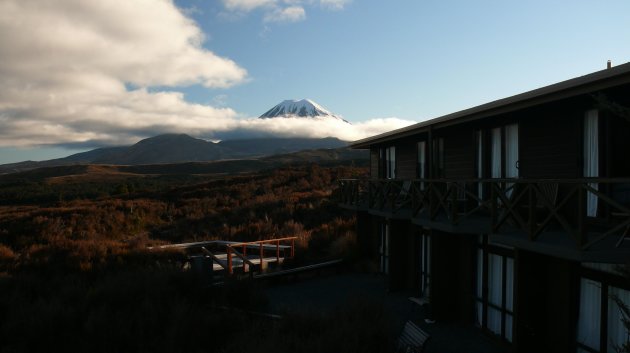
[[513, 216]]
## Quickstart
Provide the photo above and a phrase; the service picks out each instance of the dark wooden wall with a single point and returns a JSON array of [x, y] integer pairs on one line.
[[367, 236], [401, 261], [406, 159], [459, 153], [452, 276], [374, 163], [550, 144], [547, 290]]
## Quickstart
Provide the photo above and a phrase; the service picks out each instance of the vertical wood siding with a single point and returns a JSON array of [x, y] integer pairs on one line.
[[459, 154], [406, 156], [551, 145], [374, 163]]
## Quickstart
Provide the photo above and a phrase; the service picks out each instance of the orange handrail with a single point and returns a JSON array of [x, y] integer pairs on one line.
[[230, 249], [263, 241]]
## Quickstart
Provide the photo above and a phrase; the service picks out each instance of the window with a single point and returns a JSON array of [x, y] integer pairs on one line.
[[438, 157], [389, 156], [384, 248], [591, 157], [504, 162], [422, 160], [600, 328], [494, 294], [480, 160]]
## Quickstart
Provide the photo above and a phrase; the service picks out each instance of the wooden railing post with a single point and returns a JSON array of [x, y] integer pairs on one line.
[[278, 251], [261, 257], [581, 211], [229, 259], [453, 188], [430, 190], [292, 248], [532, 214], [493, 206]]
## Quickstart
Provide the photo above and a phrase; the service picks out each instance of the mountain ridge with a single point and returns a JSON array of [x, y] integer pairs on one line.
[[181, 148]]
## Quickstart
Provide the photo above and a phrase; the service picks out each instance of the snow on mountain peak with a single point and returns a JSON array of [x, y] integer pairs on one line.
[[303, 108]]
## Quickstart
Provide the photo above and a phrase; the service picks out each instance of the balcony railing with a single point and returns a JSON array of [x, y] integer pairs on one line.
[[588, 210]]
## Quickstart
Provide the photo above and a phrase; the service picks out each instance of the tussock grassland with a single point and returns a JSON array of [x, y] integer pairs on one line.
[[76, 275]]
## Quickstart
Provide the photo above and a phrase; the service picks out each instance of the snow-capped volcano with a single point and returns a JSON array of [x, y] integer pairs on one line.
[[303, 108]]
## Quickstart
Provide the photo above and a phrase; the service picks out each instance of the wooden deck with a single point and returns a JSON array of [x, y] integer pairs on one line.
[[238, 263]]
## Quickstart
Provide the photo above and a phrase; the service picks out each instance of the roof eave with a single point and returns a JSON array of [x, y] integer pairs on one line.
[[580, 85]]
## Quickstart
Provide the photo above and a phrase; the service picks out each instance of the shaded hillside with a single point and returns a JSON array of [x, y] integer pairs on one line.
[[181, 148], [270, 146], [169, 148], [51, 184]]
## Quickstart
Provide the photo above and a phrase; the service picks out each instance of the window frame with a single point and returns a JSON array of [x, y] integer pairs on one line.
[[606, 280], [505, 253]]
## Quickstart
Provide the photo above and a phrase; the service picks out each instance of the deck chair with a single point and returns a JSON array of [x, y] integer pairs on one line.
[[621, 195], [510, 211], [548, 197], [404, 197], [549, 191], [412, 339]]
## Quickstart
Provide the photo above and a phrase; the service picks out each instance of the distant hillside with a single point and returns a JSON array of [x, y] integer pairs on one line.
[[325, 157], [271, 146], [170, 148], [181, 148]]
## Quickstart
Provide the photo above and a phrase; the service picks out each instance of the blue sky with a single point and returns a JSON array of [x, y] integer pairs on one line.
[[366, 60]]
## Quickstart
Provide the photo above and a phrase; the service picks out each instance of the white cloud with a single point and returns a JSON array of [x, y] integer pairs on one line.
[[282, 10], [315, 128], [247, 5], [66, 68], [288, 14], [334, 4]]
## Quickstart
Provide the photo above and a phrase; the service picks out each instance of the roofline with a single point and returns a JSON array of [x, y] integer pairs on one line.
[[606, 78]]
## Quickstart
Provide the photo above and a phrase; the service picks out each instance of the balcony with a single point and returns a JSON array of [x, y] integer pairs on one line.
[[579, 219]]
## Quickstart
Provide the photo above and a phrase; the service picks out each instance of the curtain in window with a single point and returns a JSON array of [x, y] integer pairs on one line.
[[479, 288], [511, 155], [495, 279], [479, 273], [494, 320], [479, 313], [422, 155], [509, 284], [511, 151], [390, 156], [495, 292], [591, 157], [617, 333], [508, 327], [590, 313]]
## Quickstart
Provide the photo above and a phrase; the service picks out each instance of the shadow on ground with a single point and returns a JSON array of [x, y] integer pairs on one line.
[[331, 292]]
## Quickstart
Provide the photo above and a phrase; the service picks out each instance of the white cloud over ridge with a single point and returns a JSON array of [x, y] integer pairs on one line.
[[66, 68]]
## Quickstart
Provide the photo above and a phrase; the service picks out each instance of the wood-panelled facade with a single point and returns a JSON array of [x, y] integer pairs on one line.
[[511, 216]]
